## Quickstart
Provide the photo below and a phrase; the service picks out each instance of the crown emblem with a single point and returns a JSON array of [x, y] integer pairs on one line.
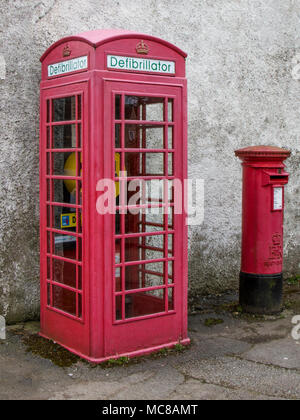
[[66, 51], [142, 48]]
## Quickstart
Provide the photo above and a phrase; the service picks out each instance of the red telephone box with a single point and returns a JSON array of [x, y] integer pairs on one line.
[[113, 109]]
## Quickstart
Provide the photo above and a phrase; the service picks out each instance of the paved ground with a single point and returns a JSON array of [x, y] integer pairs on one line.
[[240, 358]]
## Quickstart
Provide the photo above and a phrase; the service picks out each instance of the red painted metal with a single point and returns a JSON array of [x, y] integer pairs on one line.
[[262, 231], [96, 297]]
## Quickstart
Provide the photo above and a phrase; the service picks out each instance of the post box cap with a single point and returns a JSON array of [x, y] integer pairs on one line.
[[263, 153]]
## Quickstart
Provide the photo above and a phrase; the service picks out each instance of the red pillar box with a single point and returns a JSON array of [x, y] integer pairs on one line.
[[262, 229], [113, 283]]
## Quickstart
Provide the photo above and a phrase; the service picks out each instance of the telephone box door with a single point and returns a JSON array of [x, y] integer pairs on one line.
[[64, 131], [145, 273]]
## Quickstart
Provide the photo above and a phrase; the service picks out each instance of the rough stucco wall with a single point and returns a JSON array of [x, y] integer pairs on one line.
[[240, 93]]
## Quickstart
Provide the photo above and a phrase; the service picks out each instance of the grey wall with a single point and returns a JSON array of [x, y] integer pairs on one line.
[[241, 92]]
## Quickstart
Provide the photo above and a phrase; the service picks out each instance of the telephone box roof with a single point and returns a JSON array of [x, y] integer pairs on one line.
[[102, 36]]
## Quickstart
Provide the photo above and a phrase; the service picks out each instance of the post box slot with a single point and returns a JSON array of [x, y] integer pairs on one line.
[[278, 177]]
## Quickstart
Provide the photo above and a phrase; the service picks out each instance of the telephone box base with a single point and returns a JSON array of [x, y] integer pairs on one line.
[[261, 294], [137, 353]]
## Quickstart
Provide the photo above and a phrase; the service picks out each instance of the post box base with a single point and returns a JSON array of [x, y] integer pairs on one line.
[[261, 294]]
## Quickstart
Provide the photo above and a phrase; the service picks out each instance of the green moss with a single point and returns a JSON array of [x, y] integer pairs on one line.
[[179, 348], [294, 281], [210, 322], [49, 350], [121, 361]]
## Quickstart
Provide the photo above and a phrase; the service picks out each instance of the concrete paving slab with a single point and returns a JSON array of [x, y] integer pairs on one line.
[[214, 347], [235, 360], [284, 353], [193, 389], [246, 375]]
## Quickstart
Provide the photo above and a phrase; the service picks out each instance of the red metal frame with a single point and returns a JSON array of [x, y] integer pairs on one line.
[[95, 331]]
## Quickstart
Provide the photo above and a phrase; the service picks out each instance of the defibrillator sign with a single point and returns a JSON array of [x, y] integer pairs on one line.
[[69, 66], [140, 64]]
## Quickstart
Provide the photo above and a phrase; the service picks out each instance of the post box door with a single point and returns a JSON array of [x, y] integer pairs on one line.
[[64, 131], [144, 285]]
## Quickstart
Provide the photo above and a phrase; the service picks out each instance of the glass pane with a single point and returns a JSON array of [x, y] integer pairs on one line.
[[118, 107], [49, 242], [118, 308], [155, 109], [154, 163], [64, 272], [144, 137], [118, 277], [69, 170], [79, 305], [79, 249], [132, 136], [170, 164], [156, 241], [64, 109], [133, 108], [118, 223], [49, 268], [118, 250], [118, 136], [48, 294], [48, 137], [171, 245], [79, 269], [171, 272], [65, 164], [152, 221], [144, 275], [48, 111], [79, 213], [64, 218], [171, 192], [64, 191], [48, 163], [136, 249], [171, 218], [144, 220], [144, 164], [65, 246], [79, 107], [64, 136], [153, 191], [171, 299], [144, 108], [146, 303], [79, 193], [64, 299], [170, 138], [49, 216], [170, 110], [140, 191], [79, 136]]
